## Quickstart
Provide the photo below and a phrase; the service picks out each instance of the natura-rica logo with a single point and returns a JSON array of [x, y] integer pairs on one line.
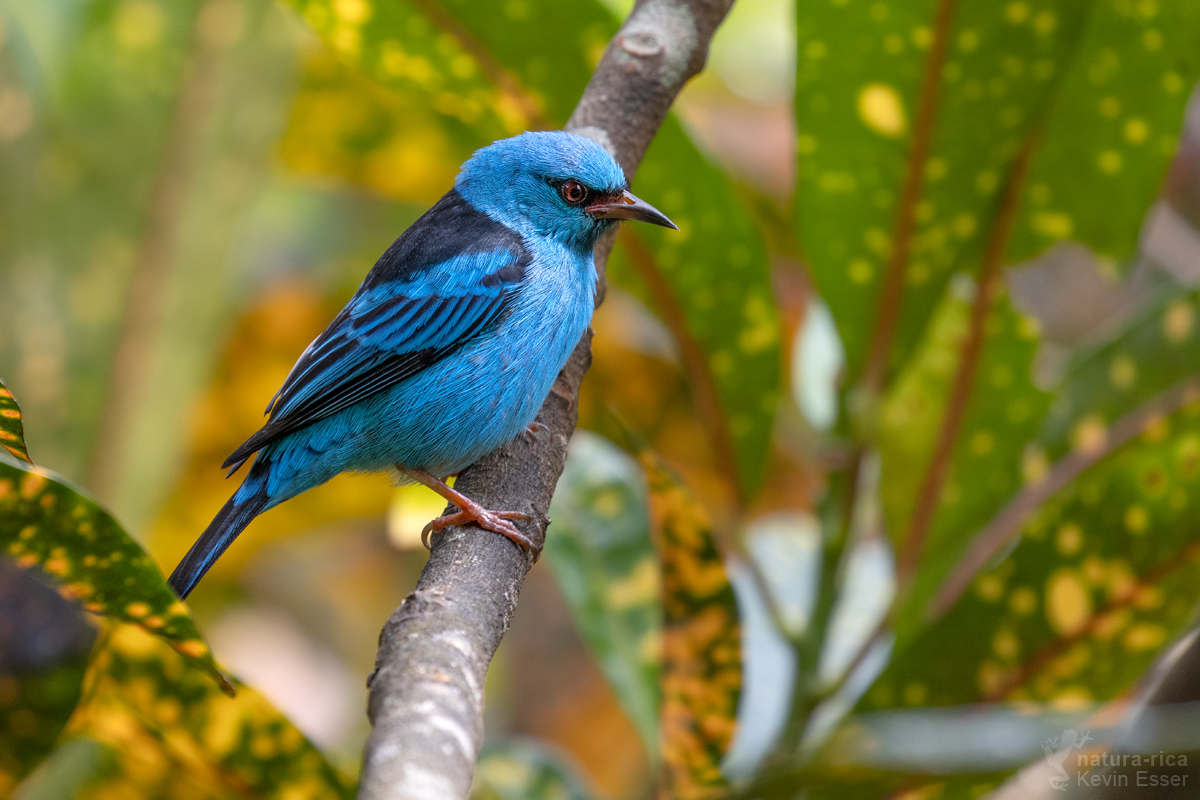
[[1057, 751]]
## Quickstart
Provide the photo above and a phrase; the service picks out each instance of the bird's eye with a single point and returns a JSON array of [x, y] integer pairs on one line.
[[573, 192]]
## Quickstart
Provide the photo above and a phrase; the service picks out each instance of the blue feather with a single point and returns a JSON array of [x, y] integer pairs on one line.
[[454, 339]]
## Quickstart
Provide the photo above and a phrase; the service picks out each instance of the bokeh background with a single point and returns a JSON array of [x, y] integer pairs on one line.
[[189, 191]]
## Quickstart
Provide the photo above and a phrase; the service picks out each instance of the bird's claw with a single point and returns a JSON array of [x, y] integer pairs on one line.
[[494, 521], [534, 430]]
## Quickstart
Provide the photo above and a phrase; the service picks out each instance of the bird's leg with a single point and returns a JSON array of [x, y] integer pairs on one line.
[[494, 521]]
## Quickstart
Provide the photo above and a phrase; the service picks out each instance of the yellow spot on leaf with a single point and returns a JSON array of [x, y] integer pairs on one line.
[[1034, 465], [1045, 23], [353, 12], [639, 587], [1109, 162], [1069, 539], [31, 484], [1136, 519], [1053, 223], [992, 677], [881, 108], [1072, 698], [1122, 372], [1178, 321], [193, 647], [1090, 435], [861, 271], [1006, 645], [1023, 601], [1016, 12], [989, 587], [1136, 131], [1144, 636], [1068, 603]]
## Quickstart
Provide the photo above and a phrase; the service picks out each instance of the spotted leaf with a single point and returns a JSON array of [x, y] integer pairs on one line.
[[44, 646], [12, 432], [173, 733], [1102, 577], [913, 120], [47, 524], [1113, 128], [709, 281], [525, 771], [990, 458], [1155, 351], [605, 565], [894, 172], [701, 671]]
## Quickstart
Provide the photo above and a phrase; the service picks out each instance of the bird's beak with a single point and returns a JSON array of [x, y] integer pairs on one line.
[[626, 206]]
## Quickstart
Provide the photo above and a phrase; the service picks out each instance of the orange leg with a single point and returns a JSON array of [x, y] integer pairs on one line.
[[494, 521]]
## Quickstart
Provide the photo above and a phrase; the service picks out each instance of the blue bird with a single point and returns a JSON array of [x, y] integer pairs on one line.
[[451, 344]]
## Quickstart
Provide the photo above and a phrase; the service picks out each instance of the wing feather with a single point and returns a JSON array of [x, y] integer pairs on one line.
[[395, 328]]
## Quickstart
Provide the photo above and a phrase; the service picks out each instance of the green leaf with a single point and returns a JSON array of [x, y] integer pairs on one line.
[[44, 646], [710, 282], [1095, 89], [34, 706], [992, 457], [1105, 149], [173, 732], [1103, 576], [525, 770], [47, 524], [12, 433], [1153, 352], [604, 563], [860, 783], [859, 111], [702, 670]]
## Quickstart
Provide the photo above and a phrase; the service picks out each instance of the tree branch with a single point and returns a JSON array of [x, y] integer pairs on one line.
[[426, 694]]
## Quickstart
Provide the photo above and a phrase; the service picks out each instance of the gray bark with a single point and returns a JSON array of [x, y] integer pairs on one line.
[[426, 694]]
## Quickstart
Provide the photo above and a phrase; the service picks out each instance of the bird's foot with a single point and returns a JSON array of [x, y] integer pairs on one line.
[[494, 521], [534, 430]]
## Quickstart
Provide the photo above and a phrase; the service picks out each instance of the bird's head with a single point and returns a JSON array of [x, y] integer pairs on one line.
[[551, 183]]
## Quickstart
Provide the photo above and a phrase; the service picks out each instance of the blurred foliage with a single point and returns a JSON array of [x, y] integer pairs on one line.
[[173, 734], [603, 559], [525, 771], [40, 674], [11, 429], [701, 641], [48, 525], [469, 59], [938, 143]]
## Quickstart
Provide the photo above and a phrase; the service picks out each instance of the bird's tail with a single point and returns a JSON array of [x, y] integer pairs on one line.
[[247, 502]]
